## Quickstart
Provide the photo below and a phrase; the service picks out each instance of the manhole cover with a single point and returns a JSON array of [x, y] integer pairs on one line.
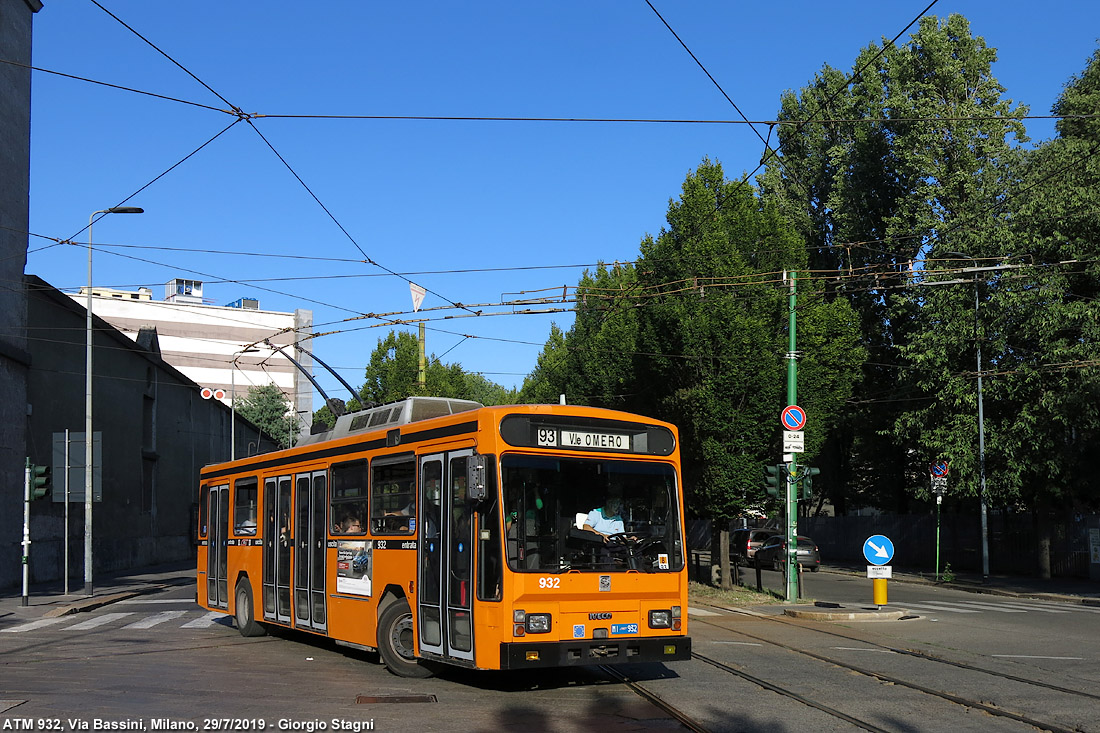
[[372, 699]]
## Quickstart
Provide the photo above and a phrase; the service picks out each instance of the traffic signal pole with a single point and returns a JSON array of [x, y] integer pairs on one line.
[[792, 487], [26, 533]]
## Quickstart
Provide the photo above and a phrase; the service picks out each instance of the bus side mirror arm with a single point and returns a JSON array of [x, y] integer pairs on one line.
[[477, 490]]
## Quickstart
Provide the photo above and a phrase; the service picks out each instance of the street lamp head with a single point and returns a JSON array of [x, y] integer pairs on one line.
[[125, 210]]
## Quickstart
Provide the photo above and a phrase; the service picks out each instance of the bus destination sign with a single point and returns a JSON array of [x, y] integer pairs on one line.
[[553, 438]]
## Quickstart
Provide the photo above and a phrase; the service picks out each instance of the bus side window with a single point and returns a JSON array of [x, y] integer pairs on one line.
[[393, 497], [246, 493], [204, 508], [349, 498]]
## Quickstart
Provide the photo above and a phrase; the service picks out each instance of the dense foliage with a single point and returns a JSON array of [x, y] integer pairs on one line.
[[268, 409], [393, 374]]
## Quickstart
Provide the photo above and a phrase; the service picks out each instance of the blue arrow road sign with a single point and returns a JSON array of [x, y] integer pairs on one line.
[[878, 549]]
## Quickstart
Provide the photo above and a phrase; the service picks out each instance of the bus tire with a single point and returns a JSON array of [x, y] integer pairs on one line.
[[396, 642], [244, 611]]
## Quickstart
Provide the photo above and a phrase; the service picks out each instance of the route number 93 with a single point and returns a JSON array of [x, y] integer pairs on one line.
[[548, 436], [550, 582]]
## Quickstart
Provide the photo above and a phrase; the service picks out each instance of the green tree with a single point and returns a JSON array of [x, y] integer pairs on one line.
[[921, 170], [548, 380], [713, 331], [268, 409], [1043, 329], [393, 374]]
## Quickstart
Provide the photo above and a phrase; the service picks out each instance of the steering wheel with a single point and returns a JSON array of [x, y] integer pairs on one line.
[[620, 539], [642, 545]]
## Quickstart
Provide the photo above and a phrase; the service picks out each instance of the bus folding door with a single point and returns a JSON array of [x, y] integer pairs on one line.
[[278, 549], [309, 533], [217, 583], [445, 603]]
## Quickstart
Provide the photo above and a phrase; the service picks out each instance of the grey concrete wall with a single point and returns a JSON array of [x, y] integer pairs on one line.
[[154, 424], [15, 109]]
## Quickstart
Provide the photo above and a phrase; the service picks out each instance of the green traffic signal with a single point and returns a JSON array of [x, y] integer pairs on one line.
[[40, 481], [775, 479], [807, 483]]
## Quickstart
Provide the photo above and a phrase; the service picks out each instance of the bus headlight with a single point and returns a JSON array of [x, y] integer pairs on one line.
[[660, 619], [538, 623]]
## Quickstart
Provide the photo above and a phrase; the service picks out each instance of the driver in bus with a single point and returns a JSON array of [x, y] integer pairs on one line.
[[606, 520]]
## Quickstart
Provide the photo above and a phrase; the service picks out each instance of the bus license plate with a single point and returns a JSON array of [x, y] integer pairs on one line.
[[624, 628]]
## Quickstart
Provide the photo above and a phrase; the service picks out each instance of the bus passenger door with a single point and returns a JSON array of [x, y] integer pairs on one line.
[[278, 549], [217, 584], [430, 549], [446, 557], [309, 533]]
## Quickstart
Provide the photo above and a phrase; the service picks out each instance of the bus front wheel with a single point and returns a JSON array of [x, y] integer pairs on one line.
[[396, 642], [244, 611]]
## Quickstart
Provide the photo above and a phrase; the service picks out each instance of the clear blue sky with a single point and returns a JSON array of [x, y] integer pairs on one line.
[[544, 198]]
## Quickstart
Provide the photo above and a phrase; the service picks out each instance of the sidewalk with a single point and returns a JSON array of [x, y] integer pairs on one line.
[[1073, 590], [47, 600], [1068, 590]]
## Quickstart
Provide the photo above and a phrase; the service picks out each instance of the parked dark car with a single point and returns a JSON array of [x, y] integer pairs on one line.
[[745, 542], [774, 553]]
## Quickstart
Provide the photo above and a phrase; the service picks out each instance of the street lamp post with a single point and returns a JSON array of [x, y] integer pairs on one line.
[[88, 402], [981, 427], [233, 402]]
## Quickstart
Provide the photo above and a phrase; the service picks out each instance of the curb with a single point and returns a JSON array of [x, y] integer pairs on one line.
[[868, 615], [89, 604]]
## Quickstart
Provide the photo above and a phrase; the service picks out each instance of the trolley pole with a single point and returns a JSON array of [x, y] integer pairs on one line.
[[792, 469]]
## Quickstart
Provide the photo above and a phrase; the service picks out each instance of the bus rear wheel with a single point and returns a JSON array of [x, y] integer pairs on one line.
[[244, 611], [396, 641]]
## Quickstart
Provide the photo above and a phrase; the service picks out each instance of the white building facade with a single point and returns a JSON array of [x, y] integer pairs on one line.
[[205, 341]]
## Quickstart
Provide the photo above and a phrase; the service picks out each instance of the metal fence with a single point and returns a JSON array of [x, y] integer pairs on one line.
[[1013, 541]]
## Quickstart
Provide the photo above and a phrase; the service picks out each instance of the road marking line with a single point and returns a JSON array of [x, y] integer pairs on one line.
[[938, 607], [738, 643], [135, 601], [151, 621], [98, 621], [208, 619], [1029, 607], [1028, 656], [32, 625], [1067, 606], [860, 649], [999, 608]]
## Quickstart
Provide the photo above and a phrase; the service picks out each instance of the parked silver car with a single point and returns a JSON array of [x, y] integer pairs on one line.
[[774, 553], [745, 542]]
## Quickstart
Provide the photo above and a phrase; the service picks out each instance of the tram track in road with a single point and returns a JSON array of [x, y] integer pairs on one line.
[[695, 725], [891, 679]]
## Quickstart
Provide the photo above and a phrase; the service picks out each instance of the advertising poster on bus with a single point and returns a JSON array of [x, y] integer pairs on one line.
[[354, 560]]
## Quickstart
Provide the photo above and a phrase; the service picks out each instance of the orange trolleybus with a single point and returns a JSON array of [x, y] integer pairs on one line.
[[437, 530]]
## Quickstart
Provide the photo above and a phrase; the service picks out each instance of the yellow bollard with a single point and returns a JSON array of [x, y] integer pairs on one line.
[[880, 591]]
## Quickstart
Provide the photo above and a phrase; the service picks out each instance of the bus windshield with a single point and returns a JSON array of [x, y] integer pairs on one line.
[[590, 514]]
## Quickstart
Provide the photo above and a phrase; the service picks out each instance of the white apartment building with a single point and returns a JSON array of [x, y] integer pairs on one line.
[[203, 341]]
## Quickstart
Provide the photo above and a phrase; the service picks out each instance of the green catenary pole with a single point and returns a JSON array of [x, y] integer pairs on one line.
[[792, 486]]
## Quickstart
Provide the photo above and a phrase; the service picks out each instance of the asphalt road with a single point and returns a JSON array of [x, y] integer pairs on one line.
[[158, 660]]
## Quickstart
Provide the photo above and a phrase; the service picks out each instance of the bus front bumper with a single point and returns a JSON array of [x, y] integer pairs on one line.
[[532, 654]]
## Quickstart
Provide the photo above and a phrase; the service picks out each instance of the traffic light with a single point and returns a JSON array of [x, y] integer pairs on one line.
[[775, 479], [807, 483], [40, 481]]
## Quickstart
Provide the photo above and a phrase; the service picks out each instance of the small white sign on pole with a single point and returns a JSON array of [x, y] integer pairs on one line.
[[879, 571], [794, 441]]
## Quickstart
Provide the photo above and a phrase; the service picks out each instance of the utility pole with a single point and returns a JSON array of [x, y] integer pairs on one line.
[[791, 528]]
